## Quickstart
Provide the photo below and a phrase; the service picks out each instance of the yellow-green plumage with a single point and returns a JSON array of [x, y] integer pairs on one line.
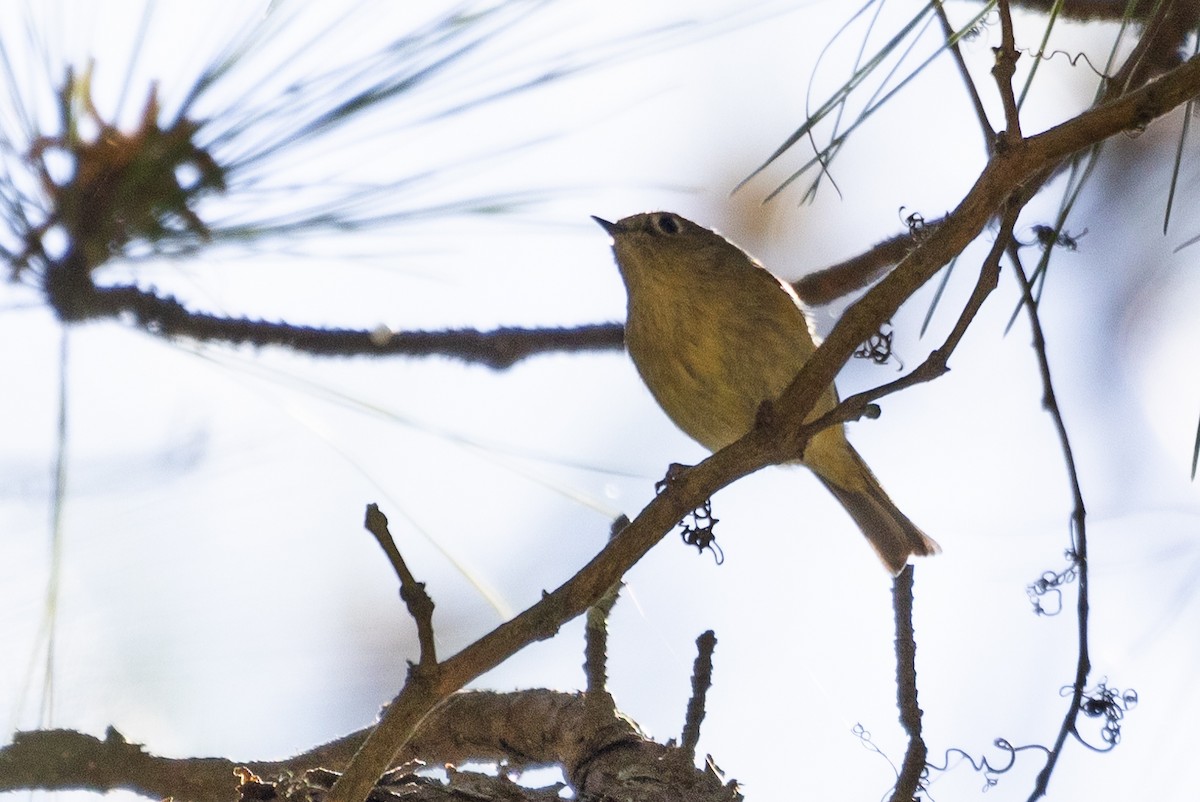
[[713, 335]]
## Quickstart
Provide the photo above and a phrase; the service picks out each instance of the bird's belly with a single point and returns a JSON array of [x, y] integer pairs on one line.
[[709, 384]]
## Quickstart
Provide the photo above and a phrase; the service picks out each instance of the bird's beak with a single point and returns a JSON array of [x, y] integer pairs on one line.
[[611, 228]]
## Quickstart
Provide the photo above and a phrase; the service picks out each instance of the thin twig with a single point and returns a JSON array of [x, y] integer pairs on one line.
[[412, 592], [166, 316], [989, 134], [906, 687], [1003, 71], [1083, 663], [701, 682], [595, 651]]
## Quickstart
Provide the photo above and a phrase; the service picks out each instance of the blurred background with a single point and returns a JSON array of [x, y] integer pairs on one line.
[[211, 590]]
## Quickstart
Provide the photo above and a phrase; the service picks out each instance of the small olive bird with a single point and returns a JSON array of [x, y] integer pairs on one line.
[[714, 335]]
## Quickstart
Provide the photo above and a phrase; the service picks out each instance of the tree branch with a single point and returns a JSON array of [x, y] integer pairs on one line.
[[906, 687], [1020, 166], [167, 317], [412, 593], [1083, 664], [524, 729]]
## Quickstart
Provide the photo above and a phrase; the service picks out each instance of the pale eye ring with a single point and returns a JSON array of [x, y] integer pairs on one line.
[[666, 223]]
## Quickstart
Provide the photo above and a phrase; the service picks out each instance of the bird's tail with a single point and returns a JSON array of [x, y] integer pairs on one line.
[[893, 536]]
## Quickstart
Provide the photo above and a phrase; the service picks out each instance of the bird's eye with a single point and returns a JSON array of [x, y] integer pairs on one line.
[[667, 224]]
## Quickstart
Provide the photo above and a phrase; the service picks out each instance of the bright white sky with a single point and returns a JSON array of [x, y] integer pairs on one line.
[[220, 597]]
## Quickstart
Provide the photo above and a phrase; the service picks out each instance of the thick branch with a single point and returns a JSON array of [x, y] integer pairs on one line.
[[525, 729]]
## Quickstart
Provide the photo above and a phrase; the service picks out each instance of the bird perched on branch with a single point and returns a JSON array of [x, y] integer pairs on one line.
[[714, 336]]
